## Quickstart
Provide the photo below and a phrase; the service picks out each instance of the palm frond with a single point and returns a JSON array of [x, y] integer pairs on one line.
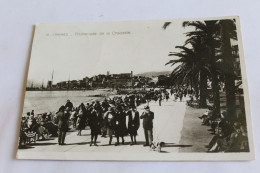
[[166, 24]]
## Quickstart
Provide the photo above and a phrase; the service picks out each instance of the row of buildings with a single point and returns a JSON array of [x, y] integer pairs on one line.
[[122, 80]]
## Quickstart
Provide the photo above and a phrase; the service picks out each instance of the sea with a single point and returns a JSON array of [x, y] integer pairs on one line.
[[50, 101]]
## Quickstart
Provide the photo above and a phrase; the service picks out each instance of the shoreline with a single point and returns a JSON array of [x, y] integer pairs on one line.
[[41, 103]]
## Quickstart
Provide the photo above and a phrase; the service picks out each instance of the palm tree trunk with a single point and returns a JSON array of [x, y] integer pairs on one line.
[[196, 89], [191, 83], [203, 89], [228, 63], [216, 97], [214, 84]]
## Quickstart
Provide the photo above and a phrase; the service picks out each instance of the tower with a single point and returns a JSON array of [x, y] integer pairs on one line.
[[131, 80], [49, 84]]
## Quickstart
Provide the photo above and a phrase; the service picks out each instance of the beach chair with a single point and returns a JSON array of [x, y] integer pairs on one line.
[[30, 136]]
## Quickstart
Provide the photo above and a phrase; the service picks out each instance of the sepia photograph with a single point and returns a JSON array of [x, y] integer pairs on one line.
[[158, 90]]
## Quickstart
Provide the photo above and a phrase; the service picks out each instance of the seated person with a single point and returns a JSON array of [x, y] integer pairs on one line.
[[48, 116], [32, 124], [215, 125], [23, 129], [215, 138], [223, 130], [226, 127], [230, 143], [206, 118]]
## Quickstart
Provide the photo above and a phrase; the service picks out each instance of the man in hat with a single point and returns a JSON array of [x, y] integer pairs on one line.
[[32, 113], [62, 118], [69, 105], [148, 117]]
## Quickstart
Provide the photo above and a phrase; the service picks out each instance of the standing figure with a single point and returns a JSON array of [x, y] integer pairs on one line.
[[160, 99], [74, 117], [163, 95], [82, 118], [69, 105], [185, 92], [32, 124], [23, 129], [166, 95], [133, 123], [132, 100], [147, 97], [62, 118], [120, 124], [155, 97], [80, 124], [109, 118], [104, 109], [95, 120], [175, 97], [148, 117], [180, 95], [172, 91]]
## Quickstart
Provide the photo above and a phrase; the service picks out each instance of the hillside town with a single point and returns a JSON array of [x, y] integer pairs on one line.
[[114, 81]]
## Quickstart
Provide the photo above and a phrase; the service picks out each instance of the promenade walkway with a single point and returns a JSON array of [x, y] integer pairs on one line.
[[168, 124]]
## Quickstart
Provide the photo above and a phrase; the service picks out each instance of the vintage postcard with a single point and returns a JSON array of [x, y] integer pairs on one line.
[[163, 90]]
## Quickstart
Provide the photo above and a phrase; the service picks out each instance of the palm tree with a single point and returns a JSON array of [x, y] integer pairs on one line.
[[185, 66], [207, 32], [207, 38], [202, 64], [227, 32], [190, 69], [193, 69]]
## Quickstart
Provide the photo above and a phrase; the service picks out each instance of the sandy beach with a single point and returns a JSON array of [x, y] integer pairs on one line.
[[50, 101]]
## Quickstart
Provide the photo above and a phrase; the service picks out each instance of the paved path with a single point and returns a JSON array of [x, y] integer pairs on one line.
[[195, 135], [168, 124]]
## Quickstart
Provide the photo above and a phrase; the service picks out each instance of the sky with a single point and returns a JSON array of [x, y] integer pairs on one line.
[[76, 50]]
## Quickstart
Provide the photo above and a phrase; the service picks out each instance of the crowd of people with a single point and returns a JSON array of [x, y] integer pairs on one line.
[[228, 136], [114, 117], [117, 117], [108, 117], [34, 127]]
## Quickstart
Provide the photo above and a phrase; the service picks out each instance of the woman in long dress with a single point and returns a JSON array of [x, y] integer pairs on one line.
[[95, 121], [81, 120], [133, 124], [120, 125], [109, 118], [80, 123]]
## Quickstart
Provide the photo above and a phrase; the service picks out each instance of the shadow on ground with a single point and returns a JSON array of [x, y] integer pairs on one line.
[[49, 139], [81, 143], [85, 135], [126, 143], [43, 143], [25, 147], [175, 145]]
